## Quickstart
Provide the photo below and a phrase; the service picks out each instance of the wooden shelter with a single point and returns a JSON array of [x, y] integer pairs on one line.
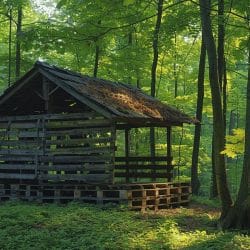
[[58, 130]]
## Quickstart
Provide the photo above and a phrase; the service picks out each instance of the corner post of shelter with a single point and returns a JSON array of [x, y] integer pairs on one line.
[[46, 94], [169, 153], [127, 152]]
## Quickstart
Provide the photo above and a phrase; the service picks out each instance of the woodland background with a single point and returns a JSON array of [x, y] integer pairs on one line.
[[149, 44]]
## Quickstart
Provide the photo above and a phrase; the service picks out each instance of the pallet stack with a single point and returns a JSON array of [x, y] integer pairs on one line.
[[137, 196]]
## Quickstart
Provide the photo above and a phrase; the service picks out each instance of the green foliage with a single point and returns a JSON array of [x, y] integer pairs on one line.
[[235, 143], [81, 226]]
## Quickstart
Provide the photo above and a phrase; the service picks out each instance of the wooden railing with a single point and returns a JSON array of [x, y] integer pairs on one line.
[[143, 169]]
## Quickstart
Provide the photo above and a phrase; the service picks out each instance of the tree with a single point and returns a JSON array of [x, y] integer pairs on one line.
[[195, 183], [154, 67], [18, 42], [218, 120], [239, 215]]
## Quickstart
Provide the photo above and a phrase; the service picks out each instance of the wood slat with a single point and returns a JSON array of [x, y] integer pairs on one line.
[[19, 143], [75, 159], [77, 151], [21, 152], [86, 114], [141, 158], [143, 175], [73, 142], [142, 167], [75, 167], [15, 158], [12, 166], [79, 123], [17, 176], [76, 177], [89, 131]]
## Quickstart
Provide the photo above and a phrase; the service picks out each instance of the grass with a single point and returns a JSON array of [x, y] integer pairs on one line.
[[80, 226]]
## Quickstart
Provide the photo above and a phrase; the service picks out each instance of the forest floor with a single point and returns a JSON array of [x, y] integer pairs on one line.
[[80, 226]]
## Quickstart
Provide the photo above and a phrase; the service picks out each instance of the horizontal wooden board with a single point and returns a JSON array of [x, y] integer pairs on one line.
[[17, 176], [75, 167], [86, 114], [143, 175], [141, 158], [89, 131], [142, 167], [21, 143], [15, 158], [76, 177], [12, 166], [73, 142], [78, 151], [79, 123], [75, 159], [21, 152]]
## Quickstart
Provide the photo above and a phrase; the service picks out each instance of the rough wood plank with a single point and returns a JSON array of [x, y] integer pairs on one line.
[[70, 116], [11, 166], [142, 167], [17, 176], [75, 167], [73, 142], [143, 175], [79, 123], [74, 159], [78, 151], [76, 177], [141, 158]]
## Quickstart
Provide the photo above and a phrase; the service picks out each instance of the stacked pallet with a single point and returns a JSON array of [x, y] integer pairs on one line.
[[137, 196]]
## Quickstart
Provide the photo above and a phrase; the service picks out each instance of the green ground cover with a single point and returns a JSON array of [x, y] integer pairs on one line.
[[80, 226]]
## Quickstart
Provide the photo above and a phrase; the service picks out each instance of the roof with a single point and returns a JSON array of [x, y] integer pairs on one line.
[[119, 101]]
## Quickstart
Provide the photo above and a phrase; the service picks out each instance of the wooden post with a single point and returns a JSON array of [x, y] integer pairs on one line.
[[169, 152], [46, 94], [127, 153]]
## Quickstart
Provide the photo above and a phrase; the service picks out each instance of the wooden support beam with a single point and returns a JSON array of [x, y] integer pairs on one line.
[[169, 152], [127, 153], [46, 94]]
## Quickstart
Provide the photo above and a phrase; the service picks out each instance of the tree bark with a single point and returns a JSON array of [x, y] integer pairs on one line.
[[97, 55], [239, 215], [18, 42], [10, 41], [155, 46], [195, 183], [218, 121], [154, 67]]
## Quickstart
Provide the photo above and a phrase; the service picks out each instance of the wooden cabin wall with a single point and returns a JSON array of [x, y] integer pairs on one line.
[[57, 148]]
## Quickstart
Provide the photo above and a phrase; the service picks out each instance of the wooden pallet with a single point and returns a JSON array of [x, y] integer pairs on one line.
[[136, 196]]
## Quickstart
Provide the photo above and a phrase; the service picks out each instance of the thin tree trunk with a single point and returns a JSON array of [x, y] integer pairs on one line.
[[218, 121], [18, 42], [213, 184], [97, 56], [175, 68], [239, 215], [10, 41], [154, 67], [155, 47], [195, 183]]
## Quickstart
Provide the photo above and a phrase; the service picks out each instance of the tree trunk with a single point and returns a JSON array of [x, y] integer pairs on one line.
[[239, 215], [154, 67], [218, 121], [213, 184], [155, 47], [195, 183], [97, 55], [18, 42], [10, 41]]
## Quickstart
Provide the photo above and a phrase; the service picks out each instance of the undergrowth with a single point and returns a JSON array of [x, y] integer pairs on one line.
[[81, 226]]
